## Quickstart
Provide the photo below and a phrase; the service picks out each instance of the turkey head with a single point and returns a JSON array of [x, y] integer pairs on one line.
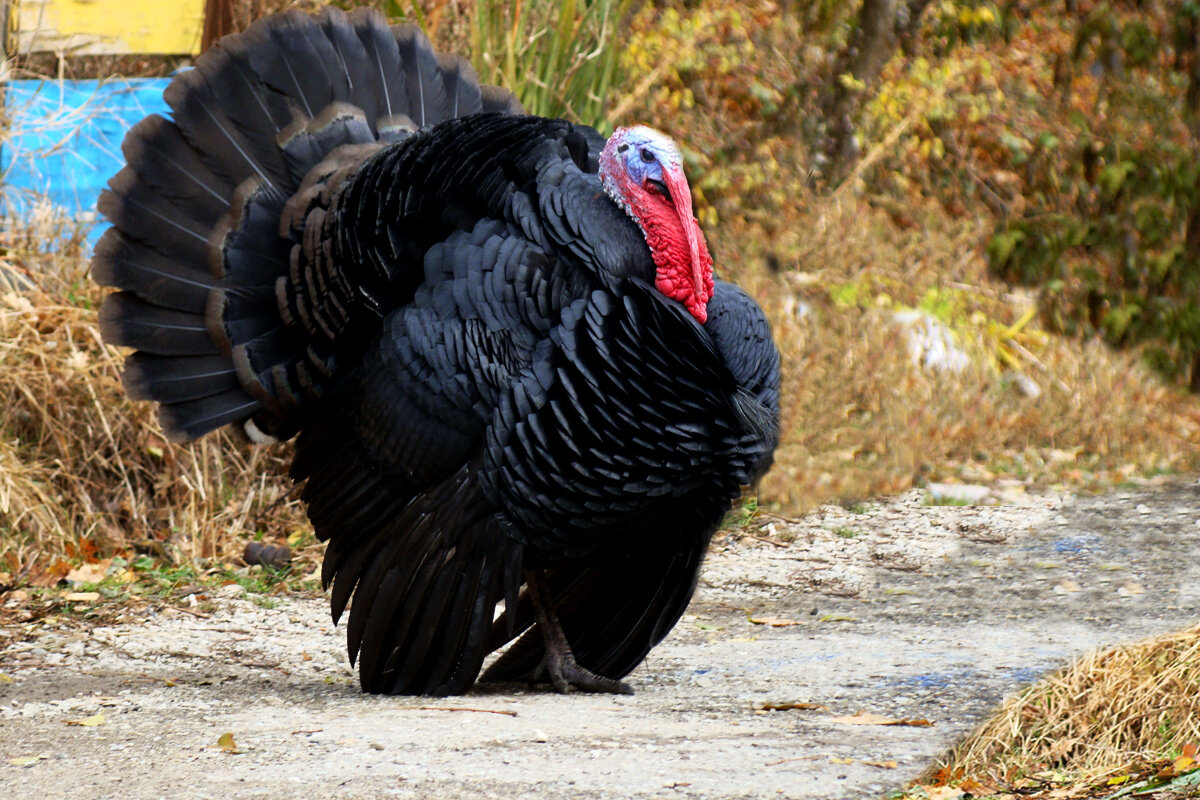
[[642, 172]]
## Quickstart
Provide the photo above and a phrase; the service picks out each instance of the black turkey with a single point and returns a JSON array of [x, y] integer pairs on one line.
[[496, 338]]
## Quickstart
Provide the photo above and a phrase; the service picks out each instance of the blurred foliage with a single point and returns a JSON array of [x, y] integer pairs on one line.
[[1074, 126], [560, 57], [1111, 225]]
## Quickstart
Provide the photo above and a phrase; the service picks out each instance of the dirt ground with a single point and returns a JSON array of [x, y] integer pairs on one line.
[[901, 610]]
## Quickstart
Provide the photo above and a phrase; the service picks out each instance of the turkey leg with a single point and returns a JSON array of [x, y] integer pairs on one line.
[[559, 662]]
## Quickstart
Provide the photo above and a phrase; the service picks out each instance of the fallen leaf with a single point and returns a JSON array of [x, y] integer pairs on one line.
[[883, 764], [788, 706], [24, 761], [5, 678], [89, 573], [88, 722], [51, 575], [863, 718], [838, 618], [1189, 751], [837, 760], [774, 622], [82, 597], [942, 792], [227, 744], [1184, 763]]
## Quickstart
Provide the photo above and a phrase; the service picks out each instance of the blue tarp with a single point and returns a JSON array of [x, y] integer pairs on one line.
[[64, 140]]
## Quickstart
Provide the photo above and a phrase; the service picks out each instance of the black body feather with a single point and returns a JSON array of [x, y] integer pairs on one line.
[[342, 235]]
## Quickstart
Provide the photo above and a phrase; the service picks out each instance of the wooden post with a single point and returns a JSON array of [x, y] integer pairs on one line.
[[218, 21]]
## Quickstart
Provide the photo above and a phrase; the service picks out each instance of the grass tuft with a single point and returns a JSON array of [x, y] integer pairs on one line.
[[1099, 717], [84, 470]]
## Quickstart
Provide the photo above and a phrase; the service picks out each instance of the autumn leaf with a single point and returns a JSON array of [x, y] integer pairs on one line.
[[89, 573], [942, 792], [863, 718], [882, 764], [88, 722], [767, 706], [82, 597], [774, 622], [227, 744]]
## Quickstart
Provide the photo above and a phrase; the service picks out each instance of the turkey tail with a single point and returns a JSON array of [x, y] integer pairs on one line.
[[613, 612], [213, 205]]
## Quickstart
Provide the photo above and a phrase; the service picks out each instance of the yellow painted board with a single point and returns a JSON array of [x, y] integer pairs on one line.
[[109, 27]]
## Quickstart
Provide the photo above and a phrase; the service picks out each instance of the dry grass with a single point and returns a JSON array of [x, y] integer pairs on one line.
[[1107, 711], [82, 468], [860, 419]]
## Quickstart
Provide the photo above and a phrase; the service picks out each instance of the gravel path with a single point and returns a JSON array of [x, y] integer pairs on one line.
[[905, 611]]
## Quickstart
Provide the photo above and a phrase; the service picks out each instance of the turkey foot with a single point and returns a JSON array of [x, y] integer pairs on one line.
[[559, 663]]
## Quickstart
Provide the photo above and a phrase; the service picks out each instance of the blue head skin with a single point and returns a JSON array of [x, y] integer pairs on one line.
[[642, 171]]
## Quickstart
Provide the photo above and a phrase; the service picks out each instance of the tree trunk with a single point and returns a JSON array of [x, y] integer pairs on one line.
[[218, 21], [856, 71]]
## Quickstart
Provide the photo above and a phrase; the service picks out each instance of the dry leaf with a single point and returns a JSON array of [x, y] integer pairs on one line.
[[942, 792], [51, 575], [837, 760], [90, 573], [863, 718], [775, 622], [24, 761], [227, 744], [883, 764], [82, 597], [767, 706], [1188, 751], [88, 722]]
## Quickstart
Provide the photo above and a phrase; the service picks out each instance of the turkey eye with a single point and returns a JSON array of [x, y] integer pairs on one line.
[[647, 156]]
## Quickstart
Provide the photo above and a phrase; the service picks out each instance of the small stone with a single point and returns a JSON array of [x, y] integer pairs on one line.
[[958, 492]]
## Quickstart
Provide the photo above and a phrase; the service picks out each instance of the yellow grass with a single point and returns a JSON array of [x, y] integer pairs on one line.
[[1111, 709], [860, 419], [81, 467]]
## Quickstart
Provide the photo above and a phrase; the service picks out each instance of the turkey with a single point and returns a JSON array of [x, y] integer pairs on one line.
[[521, 402]]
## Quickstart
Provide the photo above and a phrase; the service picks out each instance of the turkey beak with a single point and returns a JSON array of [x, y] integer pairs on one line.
[[681, 197]]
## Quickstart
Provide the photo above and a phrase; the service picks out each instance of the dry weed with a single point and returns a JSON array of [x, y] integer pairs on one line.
[[84, 468], [1116, 707], [861, 419]]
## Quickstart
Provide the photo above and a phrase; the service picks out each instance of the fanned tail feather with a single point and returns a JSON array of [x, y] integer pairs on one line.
[[209, 216]]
